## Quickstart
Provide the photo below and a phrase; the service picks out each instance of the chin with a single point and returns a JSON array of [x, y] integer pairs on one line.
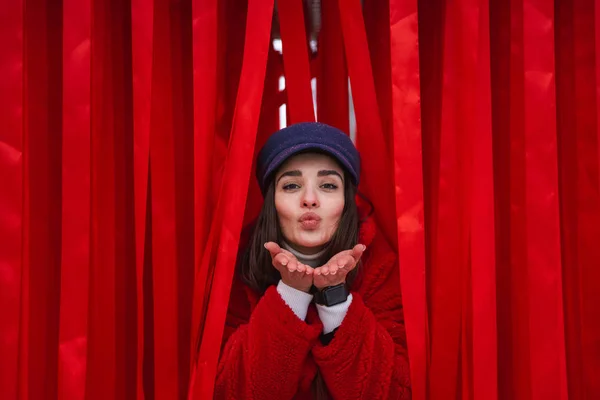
[[311, 241]]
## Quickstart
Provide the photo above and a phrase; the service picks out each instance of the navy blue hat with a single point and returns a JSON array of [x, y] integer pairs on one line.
[[303, 137]]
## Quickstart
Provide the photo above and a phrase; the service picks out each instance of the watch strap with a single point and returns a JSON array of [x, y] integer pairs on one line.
[[332, 295]]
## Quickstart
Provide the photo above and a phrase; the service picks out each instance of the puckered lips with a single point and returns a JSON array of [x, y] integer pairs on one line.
[[309, 221]]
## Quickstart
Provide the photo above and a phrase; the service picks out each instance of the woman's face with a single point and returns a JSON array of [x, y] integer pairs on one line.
[[309, 198]]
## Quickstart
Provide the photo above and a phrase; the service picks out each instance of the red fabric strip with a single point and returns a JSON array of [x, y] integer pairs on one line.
[[376, 165], [75, 250], [332, 79], [506, 55], [141, 32], [548, 365], [183, 132], [592, 276], [268, 123], [230, 51], [124, 235], [482, 248], [162, 166], [588, 189], [408, 180], [11, 191], [228, 222], [100, 371], [517, 353], [449, 238], [43, 147], [597, 52], [567, 140], [205, 102], [295, 61], [378, 36]]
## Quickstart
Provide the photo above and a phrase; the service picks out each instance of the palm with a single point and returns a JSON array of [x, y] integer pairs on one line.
[[337, 268], [293, 273]]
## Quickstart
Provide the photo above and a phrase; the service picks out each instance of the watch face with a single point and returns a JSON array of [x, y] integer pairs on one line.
[[335, 295]]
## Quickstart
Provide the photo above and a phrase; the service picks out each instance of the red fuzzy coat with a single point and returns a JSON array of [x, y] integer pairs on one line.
[[271, 354]]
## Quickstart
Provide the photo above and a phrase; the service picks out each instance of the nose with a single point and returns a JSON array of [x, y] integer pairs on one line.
[[309, 198]]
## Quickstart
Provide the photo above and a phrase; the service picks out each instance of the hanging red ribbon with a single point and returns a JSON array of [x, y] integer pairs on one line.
[[376, 161], [206, 65], [171, 166], [11, 192], [408, 179], [332, 79], [484, 365], [449, 238], [75, 249], [42, 149], [226, 228], [295, 61], [141, 46], [543, 262]]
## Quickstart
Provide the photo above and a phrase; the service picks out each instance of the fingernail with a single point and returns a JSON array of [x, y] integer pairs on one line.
[[265, 246], [364, 247]]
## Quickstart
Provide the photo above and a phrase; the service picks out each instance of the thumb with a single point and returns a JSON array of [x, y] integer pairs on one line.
[[273, 248]]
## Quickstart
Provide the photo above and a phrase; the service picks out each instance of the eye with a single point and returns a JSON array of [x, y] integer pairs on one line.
[[291, 186], [329, 186]]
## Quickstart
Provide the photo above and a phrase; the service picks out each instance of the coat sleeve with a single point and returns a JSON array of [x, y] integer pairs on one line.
[[264, 355], [367, 358]]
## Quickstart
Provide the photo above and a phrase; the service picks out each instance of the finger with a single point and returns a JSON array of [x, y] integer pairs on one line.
[[309, 270], [280, 261], [358, 250], [333, 270], [292, 265], [301, 267], [347, 263], [325, 270], [273, 248]]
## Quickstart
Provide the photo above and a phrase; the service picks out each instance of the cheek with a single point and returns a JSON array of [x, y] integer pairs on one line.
[[336, 209], [284, 211]]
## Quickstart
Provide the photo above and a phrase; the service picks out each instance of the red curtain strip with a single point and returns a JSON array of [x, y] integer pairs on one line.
[[332, 78], [294, 44], [408, 185], [205, 61], [42, 145], [484, 364], [226, 229], [112, 313], [75, 250], [141, 44], [11, 192], [375, 164], [543, 260], [449, 240], [171, 175]]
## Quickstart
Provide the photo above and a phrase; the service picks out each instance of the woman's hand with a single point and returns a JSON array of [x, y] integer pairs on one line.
[[293, 273], [335, 271]]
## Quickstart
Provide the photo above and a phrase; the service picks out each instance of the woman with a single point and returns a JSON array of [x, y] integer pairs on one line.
[[315, 309]]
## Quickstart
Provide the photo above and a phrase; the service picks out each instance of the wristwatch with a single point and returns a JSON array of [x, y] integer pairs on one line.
[[332, 295]]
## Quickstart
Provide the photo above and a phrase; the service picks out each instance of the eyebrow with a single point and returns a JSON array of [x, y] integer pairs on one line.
[[323, 172], [327, 172], [295, 172]]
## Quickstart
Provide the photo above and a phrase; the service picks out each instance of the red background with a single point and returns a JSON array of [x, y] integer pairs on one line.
[[128, 129]]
